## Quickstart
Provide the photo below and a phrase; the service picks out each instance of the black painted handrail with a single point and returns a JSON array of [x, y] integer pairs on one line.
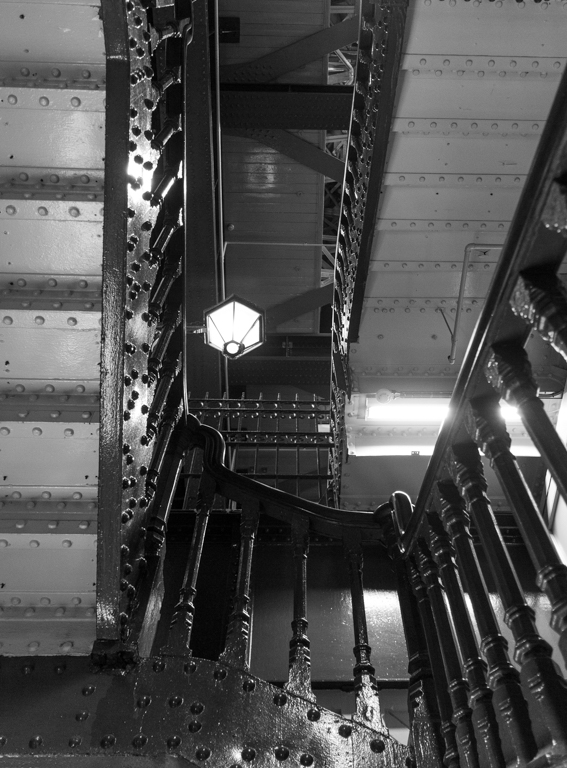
[[326, 520], [531, 242]]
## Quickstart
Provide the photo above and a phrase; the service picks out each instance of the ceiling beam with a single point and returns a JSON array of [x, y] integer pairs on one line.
[[293, 56]]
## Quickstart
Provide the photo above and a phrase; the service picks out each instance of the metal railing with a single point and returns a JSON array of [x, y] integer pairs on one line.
[[488, 710]]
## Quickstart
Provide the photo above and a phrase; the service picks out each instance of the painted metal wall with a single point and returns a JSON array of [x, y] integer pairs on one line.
[[51, 212]]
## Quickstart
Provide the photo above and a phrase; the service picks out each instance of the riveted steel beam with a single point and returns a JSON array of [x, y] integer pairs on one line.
[[377, 102], [293, 56], [201, 267], [298, 149], [114, 282], [215, 713], [298, 305], [300, 107]]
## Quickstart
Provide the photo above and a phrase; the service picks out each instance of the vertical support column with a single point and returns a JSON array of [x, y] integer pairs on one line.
[[489, 432], [179, 640], [451, 756], [510, 373], [480, 696], [299, 680], [462, 714], [531, 652], [425, 717], [367, 701], [503, 677], [238, 633]]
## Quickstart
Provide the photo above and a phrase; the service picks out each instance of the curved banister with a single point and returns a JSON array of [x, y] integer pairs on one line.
[[275, 502], [530, 243]]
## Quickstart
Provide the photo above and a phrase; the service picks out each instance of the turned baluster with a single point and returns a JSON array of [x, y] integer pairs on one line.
[[172, 222], [170, 418], [480, 696], [367, 701], [169, 372], [541, 299], [458, 689], [299, 680], [170, 77], [170, 323], [510, 373], [170, 272], [531, 651], [489, 432], [179, 638], [451, 757], [237, 646], [170, 127], [425, 717], [503, 677], [171, 174]]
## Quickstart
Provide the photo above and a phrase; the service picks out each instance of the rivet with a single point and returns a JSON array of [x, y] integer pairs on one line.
[[281, 753], [10, 210], [42, 211], [75, 741], [194, 726], [139, 741], [74, 212], [313, 715], [220, 674], [197, 707], [4, 431], [77, 495], [307, 759], [345, 730], [66, 543], [39, 320], [66, 646], [535, 126], [7, 320], [176, 701], [36, 741], [202, 753], [76, 601], [173, 742], [44, 101], [16, 495], [45, 601], [71, 321], [75, 102], [108, 741], [159, 666], [143, 702], [33, 646], [13, 99], [34, 543], [474, 125], [69, 433], [248, 754], [249, 685], [37, 431]]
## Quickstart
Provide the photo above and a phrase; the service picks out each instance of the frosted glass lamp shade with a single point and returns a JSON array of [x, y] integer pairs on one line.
[[235, 327]]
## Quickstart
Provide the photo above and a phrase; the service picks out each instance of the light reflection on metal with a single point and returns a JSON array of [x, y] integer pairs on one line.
[[235, 327]]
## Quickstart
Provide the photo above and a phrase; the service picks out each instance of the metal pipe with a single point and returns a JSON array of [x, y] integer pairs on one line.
[[469, 248]]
